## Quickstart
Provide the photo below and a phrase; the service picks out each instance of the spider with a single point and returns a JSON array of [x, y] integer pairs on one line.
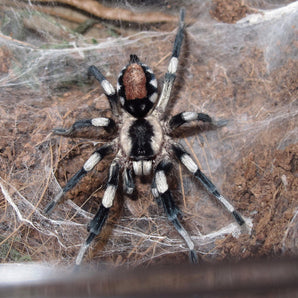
[[143, 146]]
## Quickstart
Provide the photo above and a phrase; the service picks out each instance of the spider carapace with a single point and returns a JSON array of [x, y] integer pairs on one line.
[[143, 144]]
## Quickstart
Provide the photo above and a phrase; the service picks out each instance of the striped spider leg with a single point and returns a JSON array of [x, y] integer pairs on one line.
[[170, 75], [96, 224], [92, 161], [185, 158], [161, 193]]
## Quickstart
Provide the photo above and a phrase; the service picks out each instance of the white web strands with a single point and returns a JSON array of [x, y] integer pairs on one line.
[[41, 66]]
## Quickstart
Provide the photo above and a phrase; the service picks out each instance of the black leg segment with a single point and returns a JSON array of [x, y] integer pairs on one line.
[[94, 227], [96, 224], [179, 36]]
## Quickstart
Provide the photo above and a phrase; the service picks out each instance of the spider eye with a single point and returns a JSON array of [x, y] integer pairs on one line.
[[137, 88]]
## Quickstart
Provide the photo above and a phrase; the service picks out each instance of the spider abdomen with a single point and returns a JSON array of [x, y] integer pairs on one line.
[[134, 81], [137, 88]]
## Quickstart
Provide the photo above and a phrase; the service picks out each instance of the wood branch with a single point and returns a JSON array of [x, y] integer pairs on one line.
[[118, 14]]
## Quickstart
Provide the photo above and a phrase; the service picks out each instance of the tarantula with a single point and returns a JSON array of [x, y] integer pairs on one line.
[[143, 145]]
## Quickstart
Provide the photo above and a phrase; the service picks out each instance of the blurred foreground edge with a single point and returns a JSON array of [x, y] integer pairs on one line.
[[251, 278]]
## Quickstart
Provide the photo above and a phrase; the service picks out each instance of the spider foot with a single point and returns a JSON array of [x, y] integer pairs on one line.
[[84, 248], [193, 257], [238, 218], [62, 131], [81, 254], [220, 123], [49, 208]]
